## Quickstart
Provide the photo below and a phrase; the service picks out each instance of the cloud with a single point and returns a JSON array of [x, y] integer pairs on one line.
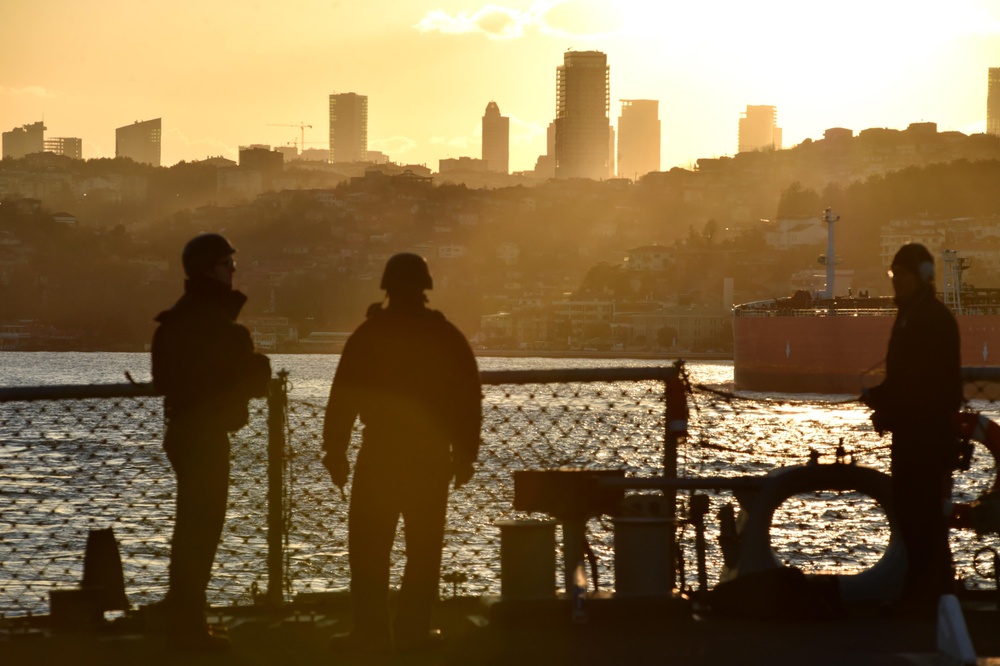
[[493, 21], [393, 146], [459, 142], [27, 91], [974, 128], [184, 147], [564, 19]]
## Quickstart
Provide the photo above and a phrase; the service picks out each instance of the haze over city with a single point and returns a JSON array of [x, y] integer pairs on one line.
[[225, 74]]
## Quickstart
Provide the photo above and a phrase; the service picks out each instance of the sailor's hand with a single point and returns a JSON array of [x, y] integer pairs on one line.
[[338, 467], [462, 471], [880, 422]]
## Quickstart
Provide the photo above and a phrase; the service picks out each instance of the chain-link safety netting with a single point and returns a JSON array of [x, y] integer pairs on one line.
[[741, 434], [594, 419], [79, 463], [72, 461]]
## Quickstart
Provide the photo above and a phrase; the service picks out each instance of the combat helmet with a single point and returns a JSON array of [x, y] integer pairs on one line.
[[406, 272], [203, 251]]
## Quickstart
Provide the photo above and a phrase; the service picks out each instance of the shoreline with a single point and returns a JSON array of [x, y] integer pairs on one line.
[[571, 353], [479, 353]]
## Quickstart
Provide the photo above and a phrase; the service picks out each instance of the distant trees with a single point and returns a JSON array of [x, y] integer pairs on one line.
[[797, 201]]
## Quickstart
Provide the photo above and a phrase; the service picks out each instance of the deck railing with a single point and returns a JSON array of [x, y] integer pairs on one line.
[[77, 458]]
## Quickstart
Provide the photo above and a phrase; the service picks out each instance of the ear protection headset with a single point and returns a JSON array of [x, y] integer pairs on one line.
[[915, 258], [926, 272]]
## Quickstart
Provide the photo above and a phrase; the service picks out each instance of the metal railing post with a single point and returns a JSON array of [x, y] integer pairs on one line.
[[675, 429], [277, 403]]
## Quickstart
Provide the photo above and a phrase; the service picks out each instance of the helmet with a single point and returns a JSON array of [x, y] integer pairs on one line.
[[406, 271], [917, 259], [202, 251]]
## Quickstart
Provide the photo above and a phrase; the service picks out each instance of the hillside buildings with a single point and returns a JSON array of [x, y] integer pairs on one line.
[[139, 141], [24, 140], [583, 132], [993, 102], [638, 138], [496, 139], [348, 127], [65, 145], [759, 129]]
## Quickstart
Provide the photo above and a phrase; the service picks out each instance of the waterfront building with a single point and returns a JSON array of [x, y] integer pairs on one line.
[[993, 102], [496, 139], [759, 129], [348, 127], [65, 145], [638, 138], [139, 141], [24, 140], [582, 105]]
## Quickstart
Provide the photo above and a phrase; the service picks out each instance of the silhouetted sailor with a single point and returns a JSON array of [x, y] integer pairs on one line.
[[411, 378], [919, 402], [205, 366]]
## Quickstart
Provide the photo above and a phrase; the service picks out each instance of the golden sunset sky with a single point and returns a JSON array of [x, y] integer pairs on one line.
[[219, 72]]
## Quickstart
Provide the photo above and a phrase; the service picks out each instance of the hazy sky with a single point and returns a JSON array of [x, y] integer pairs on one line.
[[220, 71]]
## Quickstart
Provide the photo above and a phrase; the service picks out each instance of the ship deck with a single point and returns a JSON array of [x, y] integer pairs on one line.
[[615, 631]]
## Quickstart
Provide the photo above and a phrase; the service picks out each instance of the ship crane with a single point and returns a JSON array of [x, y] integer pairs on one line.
[[954, 266]]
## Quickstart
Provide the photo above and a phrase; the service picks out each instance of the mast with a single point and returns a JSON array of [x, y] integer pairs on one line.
[[954, 266], [831, 257]]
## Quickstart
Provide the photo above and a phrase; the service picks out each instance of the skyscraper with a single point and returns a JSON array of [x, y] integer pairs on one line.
[[496, 139], [139, 141], [24, 140], [759, 129], [582, 106], [348, 127], [993, 102], [638, 138]]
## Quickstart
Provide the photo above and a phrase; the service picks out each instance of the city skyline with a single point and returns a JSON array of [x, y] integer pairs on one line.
[[222, 75]]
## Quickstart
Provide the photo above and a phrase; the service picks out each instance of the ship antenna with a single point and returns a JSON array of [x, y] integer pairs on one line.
[[831, 257]]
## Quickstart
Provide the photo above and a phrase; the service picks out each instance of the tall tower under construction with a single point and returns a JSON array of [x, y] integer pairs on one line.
[[583, 133], [759, 129], [993, 102]]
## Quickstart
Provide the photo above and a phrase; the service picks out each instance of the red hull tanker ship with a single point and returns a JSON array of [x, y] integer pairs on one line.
[[818, 344], [835, 347]]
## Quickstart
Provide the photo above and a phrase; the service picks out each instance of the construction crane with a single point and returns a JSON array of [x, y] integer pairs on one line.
[[302, 126]]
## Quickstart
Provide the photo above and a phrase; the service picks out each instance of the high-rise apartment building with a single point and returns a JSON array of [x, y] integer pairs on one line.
[[583, 131], [638, 138], [65, 145], [496, 139], [993, 102], [139, 141], [348, 127], [759, 129], [24, 140]]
